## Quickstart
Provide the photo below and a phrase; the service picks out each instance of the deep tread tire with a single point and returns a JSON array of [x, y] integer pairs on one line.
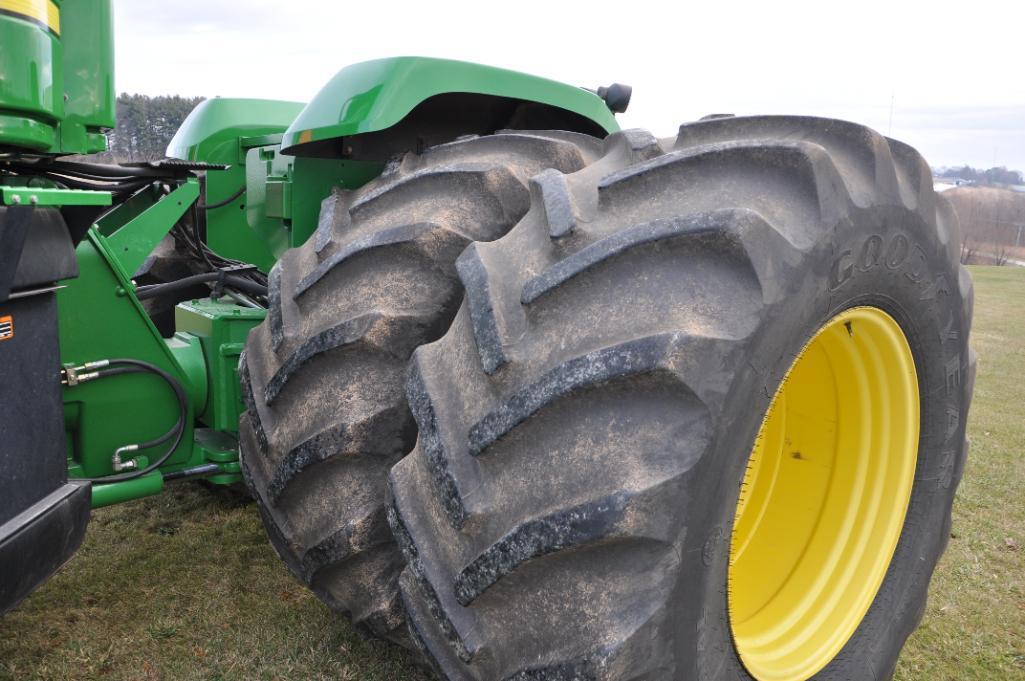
[[585, 423], [323, 377]]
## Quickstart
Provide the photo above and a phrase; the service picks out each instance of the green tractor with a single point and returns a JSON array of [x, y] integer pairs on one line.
[[534, 396]]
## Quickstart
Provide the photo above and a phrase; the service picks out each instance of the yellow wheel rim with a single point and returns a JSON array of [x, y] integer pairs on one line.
[[824, 497]]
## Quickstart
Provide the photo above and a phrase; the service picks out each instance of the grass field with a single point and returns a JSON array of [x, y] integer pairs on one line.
[[185, 586]]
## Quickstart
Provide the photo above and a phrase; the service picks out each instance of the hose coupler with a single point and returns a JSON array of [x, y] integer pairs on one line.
[[72, 375], [122, 465]]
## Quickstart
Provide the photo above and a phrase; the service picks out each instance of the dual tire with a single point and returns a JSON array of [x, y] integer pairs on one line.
[[323, 377], [698, 415]]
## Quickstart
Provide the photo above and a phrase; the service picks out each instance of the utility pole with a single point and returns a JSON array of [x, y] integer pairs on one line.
[[889, 128]]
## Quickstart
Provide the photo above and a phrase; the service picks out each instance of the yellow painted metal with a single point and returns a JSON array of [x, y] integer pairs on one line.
[[44, 12], [824, 497]]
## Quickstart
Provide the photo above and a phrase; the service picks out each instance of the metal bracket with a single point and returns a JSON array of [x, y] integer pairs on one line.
[[135, 240], [47, 196]]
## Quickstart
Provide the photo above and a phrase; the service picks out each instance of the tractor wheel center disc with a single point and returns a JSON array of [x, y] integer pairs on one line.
[[824, 497]]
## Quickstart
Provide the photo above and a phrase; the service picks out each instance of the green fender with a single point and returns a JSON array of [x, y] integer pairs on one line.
[[377, 95], [211, 132]]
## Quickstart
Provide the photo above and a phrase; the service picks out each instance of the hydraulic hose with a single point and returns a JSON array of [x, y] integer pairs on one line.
[[223, 202], [103, 170], [200, 244], [121, 366], [234, 281]]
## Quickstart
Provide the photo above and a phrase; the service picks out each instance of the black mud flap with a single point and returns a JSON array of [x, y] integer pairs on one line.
[[37, 541], [42, 515]]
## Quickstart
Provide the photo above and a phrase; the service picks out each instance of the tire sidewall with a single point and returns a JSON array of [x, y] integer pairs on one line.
[[887, 257]]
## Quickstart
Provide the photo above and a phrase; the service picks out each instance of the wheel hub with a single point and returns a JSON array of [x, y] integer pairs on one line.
[[824, 496]]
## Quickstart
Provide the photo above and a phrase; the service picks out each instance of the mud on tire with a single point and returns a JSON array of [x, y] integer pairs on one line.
[[585, 424], [323, 377]]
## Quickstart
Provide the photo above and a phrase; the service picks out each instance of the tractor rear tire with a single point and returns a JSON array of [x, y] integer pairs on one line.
[[775, 301], [323, 377]]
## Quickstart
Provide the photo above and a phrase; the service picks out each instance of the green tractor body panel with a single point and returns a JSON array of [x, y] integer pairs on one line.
[[281, 202], [90, 97], [232, 132], [101, 318], [280, 160], [56, 75], [31, 62], [213, 130], [288, 156], [274, 164], [221, 328], [376, 95]]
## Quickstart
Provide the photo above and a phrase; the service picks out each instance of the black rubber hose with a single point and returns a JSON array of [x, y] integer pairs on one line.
[[72, 174], [230, 280], [131, 366], [72, 171], [79, 182], [194, 211], [102, 170], [222, 203]]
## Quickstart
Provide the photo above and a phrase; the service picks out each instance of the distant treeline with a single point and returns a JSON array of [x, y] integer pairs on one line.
[[992, 177], [145, 125], [992, 224]]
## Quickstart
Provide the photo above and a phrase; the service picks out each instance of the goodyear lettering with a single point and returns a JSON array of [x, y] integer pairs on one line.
[[897, 253], [842, 270], [871, 251], [915, 270]]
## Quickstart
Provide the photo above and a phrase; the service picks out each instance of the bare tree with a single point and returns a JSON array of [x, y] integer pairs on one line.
[[1000, 255], [991, 221]]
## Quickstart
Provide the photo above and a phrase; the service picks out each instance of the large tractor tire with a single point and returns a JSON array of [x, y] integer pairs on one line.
[[699, 418], [323, 377]]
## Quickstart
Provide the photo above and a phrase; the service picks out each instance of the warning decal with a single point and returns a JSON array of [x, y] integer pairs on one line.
[[6, 328]]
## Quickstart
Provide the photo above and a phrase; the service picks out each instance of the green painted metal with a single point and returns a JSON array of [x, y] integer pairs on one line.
[[90, 99], [262, 163], [23, 131], [56, 90], [230, 131], [48, 196], [375, 95], [222, 328], [119, 492], [135, 240], [31, 102], [188, 351], [312, 181], [212, 131], [100, 318], [281, 204], [220, 448], [100, 315], [128, 210]]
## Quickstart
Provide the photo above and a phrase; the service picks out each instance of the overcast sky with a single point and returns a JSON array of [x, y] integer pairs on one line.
[[954, 72]]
